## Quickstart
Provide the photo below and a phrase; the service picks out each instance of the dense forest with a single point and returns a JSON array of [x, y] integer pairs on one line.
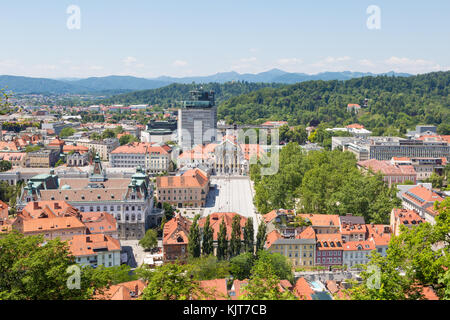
[[169, 96], [399, 102]]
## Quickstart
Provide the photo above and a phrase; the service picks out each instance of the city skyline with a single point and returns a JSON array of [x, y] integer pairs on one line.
[[179, 39]]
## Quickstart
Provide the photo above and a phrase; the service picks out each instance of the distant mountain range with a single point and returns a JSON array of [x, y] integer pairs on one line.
[[118, 84]]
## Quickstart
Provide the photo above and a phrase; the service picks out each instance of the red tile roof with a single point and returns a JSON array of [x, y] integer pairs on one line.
[[387, 168], [99, 222], [272, 237], [366, 245], [421, 195], [84, 245], [322, 220], [123, 291], [139, 148], [43, 225], [376, 232], [38, 209], [406, 217], [355, 126], [329, 241], [216, 288], [194, 178], [308, 233], [176, 230], [303, 290]]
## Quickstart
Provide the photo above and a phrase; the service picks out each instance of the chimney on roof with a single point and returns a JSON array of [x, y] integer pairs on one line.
[[36, 205], [88, 239], [56, 205]]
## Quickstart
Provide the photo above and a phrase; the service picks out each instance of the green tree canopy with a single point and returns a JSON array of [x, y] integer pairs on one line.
[[194, 239], [67, 132], [127, 138], [5, 166], [207, 243], [235, 241], [34, 269], [222, 241], [150, 239]]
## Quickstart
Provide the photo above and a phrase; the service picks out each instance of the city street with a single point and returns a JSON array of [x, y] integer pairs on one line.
[[232, 194]]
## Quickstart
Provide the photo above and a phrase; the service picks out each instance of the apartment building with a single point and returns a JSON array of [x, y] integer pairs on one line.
[[386, 148], [100, 223], [187, 190], [421, 200], [77, 159], [406, 217], [352, 228], [424, 167], [329, 249], [176, 239], [357, 252], [154, 159], [380, 234], [95, 250], [102, 148], [409, 148], [52, 219], [300, 249], [392, 172], [323, 223], [17, 159], [44, 158]]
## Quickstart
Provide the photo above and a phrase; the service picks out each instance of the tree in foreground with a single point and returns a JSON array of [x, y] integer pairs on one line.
[[208, 268], [222, 242], [235, 241], [150, 239], [194, 239], [264, 284], [171, 281], [241, 265], [208, 240], [34, 269]]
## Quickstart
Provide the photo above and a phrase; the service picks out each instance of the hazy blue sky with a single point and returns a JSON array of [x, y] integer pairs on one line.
[[150, 38]]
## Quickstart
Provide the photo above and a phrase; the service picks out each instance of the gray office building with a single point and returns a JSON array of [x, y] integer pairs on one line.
[[409, 148], [197, 120]]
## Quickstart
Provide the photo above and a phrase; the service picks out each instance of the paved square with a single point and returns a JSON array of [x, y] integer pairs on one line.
[[232, 194]]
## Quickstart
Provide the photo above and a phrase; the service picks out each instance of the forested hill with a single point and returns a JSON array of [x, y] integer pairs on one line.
[[169, 96], [393, 102]]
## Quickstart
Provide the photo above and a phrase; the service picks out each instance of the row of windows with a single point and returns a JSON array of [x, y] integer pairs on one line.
[[298, 263], [329, 260], [179, 198], [357, 255], [127, 217], [179, 191], [105, 208], [280, 246], [329, 253], [304, 255], [129, 157]]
